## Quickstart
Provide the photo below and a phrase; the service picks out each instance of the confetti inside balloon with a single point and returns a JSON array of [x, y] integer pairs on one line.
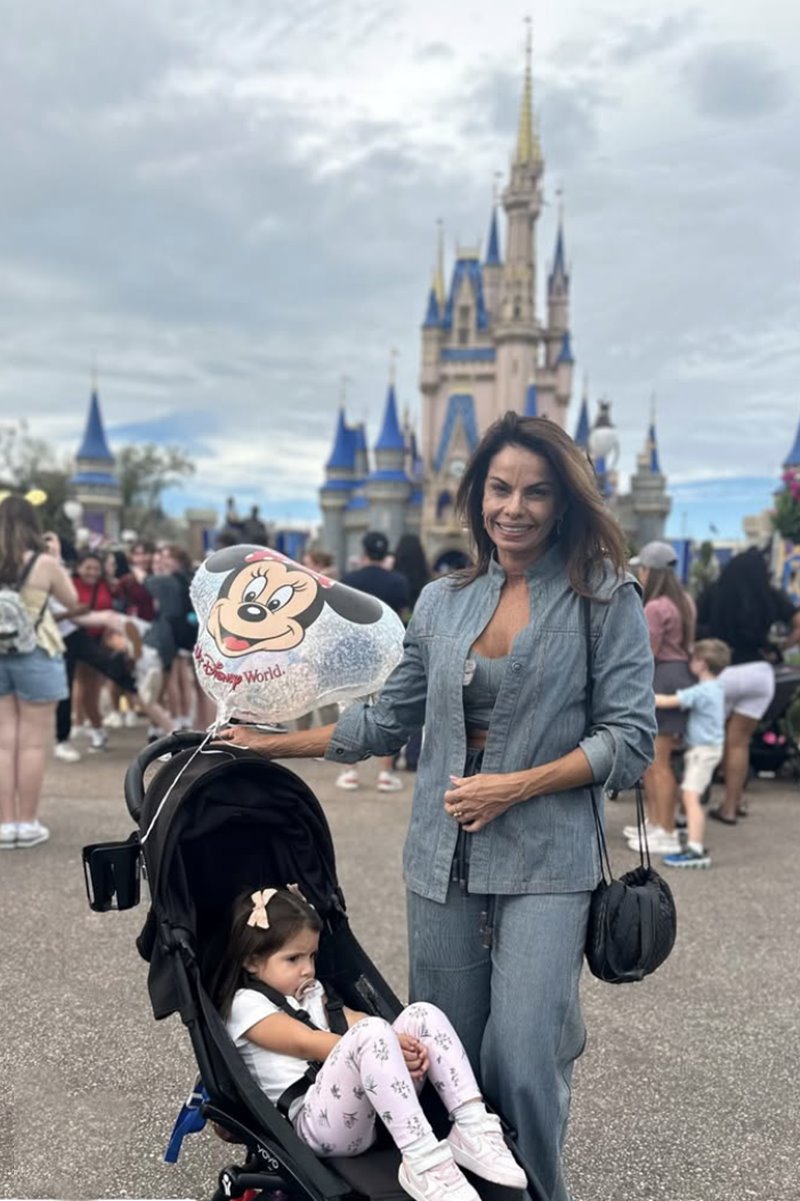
[[276, 639]]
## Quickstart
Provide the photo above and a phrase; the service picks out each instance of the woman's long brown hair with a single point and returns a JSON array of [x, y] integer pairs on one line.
[[662, 581], [589, 534], [19, 532]]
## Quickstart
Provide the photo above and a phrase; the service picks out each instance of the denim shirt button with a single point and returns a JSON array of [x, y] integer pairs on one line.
[[339, 750], [515, 666]]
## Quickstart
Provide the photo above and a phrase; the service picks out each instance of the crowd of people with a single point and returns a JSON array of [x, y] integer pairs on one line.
[[547, 671]]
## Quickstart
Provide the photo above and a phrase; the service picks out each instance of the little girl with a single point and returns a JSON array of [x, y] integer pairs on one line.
[[373, 1068]]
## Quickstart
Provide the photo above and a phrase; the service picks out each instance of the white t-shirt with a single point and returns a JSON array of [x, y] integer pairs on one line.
[[273, 1073]]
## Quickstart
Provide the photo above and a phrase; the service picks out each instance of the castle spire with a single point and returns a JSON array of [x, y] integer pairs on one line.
[[94, 445], [438, 278], [582, 431], [493, 250], [528, 150], [559, 272]]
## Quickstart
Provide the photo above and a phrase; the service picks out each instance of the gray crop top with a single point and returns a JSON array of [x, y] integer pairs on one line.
[[482, 680]]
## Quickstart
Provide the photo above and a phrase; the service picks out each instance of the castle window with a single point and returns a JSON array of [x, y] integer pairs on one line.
[[464, 313]]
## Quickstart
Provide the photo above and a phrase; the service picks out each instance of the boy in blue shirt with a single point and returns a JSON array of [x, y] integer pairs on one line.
[[705, 736]]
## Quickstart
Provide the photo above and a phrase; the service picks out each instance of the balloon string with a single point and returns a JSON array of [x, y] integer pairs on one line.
[[212, 730]]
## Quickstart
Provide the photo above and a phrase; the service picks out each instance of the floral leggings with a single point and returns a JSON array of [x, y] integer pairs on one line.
[[366, 1074]]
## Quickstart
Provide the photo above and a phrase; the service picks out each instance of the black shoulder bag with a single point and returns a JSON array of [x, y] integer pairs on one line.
[[632, 920]]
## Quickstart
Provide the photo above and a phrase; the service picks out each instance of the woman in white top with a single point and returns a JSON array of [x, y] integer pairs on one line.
[[32, 681]]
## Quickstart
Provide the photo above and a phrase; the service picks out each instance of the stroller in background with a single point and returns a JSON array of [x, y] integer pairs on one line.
[[774, 747], [211, 824]]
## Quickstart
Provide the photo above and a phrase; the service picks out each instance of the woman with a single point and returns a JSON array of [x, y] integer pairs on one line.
[[31, 683], [740, 608], [670, 620], [410, 561], [501, 855]]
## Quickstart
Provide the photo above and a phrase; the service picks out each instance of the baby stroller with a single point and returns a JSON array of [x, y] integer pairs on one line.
[[210, 824], [773, 747]]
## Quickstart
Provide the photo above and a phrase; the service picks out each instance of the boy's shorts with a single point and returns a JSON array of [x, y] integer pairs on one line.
[[698, 767]]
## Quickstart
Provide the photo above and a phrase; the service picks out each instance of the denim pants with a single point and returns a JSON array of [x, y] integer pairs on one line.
[[515, 1006]]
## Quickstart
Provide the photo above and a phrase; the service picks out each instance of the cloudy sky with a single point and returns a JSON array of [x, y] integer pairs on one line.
[[230, 205]]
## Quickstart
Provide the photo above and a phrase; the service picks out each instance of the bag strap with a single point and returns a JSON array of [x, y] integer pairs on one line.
[[26, 570], [644, 850]]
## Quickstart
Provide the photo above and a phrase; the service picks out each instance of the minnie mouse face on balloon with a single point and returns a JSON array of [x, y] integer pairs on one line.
[[267, 602]]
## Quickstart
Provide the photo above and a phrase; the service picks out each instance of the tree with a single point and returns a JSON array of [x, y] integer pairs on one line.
[[704, 569], [145, 472], [28, 463]]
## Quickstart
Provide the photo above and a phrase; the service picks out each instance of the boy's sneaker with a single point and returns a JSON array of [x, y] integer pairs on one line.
[[387, 782], [113, 720], [8, 836], [688, 858], [98, 740], [348, 780], [29, 834], [482, 1150], [438, 1178], [66, 752], [629, 832]]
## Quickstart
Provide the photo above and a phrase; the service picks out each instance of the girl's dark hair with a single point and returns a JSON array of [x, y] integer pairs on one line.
[[288, 914], [91, 554], [589, 534], [662, 581], [409, 559], [19, 532], [144, 546], [180, 556]]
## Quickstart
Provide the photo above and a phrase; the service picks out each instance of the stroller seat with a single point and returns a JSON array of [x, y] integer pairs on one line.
[[214, 822]]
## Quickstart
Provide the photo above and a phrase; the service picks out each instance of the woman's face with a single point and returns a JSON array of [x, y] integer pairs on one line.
[[521, 502], [141, 558], [643, 573], [89, 570], [110, 566]]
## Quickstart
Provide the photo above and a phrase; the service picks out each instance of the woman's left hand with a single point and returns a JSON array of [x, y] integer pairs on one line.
[[474, 801]]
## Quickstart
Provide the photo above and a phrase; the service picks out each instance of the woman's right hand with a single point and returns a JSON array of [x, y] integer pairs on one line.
[[249, 739]]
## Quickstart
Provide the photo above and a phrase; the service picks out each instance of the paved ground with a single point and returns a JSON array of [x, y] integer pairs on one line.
[[688, 1090]]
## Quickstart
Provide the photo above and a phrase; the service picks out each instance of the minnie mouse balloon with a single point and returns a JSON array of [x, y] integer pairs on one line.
[[276, 640]]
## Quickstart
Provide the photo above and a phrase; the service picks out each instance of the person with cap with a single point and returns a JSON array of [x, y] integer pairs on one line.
[[670, 615], [392, 588]]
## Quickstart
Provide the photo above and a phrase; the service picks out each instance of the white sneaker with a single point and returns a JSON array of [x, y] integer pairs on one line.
[[661, 843], [387, 782], [66, 752], [113, 720], [481, 1149], [98, 741], [8, 836], [29, 834], [440, 1178], [633, 831], [131, 719], [348, 780]]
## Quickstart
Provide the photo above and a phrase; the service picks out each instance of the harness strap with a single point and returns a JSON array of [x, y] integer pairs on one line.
[[337, 1020]]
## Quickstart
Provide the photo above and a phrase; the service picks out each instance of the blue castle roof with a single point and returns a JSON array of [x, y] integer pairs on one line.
[[582, 430], [460, 407], [493, 251], [655, 466], [391, 436], [432, 318], [94, 444], [531, 402], [565, 354], [793, 457], [470, 269], [560, 260], [343, 455]]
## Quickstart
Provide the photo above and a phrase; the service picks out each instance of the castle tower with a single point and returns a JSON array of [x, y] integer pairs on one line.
[[94, 480], [341, 480], [492, 269], [581, 435], [557, 297], [649, 500], [388, 488], [531, 402], [517, 331]]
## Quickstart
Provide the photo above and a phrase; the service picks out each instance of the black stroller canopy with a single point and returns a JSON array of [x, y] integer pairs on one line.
[[214, 824]]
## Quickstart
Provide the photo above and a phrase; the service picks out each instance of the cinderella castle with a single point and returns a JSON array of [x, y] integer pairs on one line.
[[485, 350]]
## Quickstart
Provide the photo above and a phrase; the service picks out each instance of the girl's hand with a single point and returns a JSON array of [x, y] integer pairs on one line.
[[415, 1055], [474, 801]]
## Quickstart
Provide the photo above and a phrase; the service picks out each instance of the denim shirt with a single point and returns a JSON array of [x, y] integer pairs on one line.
[[547, 843]]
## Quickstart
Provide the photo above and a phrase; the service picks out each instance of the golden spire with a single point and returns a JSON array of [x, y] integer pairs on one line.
[[527, 142], [438, 275]]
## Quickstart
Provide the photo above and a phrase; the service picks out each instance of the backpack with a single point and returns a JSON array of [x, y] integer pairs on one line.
[[17, 627]]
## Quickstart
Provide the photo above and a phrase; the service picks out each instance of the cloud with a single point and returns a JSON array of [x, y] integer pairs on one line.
[[735, 81]]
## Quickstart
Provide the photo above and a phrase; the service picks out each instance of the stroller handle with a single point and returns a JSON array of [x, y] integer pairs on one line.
[[180, 740]]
